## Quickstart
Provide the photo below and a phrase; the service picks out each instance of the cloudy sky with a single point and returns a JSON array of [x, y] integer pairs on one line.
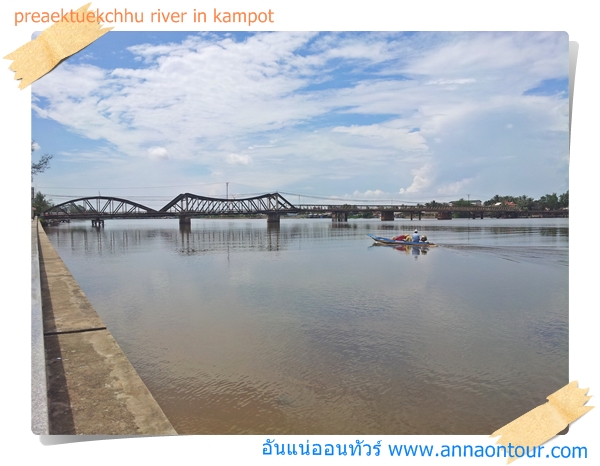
[[408, 117]]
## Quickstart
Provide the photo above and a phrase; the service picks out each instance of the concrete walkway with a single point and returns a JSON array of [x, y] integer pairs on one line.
[[92, 387], [39, 388]]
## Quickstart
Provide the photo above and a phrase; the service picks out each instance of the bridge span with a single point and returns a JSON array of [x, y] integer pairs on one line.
[[273, 205]]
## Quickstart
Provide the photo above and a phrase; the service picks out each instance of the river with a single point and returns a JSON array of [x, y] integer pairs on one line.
[[237, 327]]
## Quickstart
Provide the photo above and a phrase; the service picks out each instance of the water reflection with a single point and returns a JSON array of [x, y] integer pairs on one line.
[[406, 249], [309, 328]]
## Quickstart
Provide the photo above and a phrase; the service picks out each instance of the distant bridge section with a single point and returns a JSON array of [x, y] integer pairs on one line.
[[444, 212]]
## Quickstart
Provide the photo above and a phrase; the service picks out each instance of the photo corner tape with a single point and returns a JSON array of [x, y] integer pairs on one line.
[[78, 29], [544, 422]]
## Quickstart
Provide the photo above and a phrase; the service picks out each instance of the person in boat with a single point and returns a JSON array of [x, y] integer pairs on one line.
[[401, 238], [416, 237]]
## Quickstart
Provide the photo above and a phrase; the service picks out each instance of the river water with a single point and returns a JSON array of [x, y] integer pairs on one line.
[[307, 328]]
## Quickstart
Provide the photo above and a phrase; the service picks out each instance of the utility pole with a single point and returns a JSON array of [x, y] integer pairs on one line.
[[227, 190]]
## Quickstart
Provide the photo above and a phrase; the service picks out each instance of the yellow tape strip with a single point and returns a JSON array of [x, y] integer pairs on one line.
[[61, 40], [544, 422]]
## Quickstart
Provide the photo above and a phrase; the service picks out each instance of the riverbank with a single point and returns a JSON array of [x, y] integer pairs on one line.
[[92, 387]]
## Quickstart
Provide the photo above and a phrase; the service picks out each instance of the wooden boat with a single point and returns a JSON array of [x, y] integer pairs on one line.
[[394, 242]]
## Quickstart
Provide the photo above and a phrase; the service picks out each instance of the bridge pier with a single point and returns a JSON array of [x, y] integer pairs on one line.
[[339, 216], [184, 220], [185, 229], [388, 215], [97, 222], [273, 218]]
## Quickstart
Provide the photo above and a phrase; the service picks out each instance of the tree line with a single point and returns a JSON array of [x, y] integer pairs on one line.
[[547, 202]]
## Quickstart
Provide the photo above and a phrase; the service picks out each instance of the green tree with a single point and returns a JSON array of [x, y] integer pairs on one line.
[[493, 200], [41, 203], [73, 209], [549, 201], [435, 204], [563, 200], [42, 164], [524, 202], [461, 203]]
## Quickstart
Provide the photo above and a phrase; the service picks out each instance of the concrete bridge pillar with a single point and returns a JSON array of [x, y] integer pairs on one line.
[[273, 218], [184, 220], [387, 215], [339, 216]]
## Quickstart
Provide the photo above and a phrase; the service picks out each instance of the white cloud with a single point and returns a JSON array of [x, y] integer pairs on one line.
[[158, 152], [351, 110], [422, 178], [396, 133], [238, 159], [454, 188], [445, 82], [369, 194]]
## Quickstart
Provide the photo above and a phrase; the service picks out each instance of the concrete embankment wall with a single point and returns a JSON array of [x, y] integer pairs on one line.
[[92, 387], [39, 389]]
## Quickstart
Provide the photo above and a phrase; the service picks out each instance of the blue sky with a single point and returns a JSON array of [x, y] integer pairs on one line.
[[409, 117]]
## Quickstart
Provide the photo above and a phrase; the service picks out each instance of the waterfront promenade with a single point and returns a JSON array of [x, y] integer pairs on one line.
[[92, 388]]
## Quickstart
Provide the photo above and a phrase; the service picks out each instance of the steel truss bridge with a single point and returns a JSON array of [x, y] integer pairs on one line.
[[185, 206]]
